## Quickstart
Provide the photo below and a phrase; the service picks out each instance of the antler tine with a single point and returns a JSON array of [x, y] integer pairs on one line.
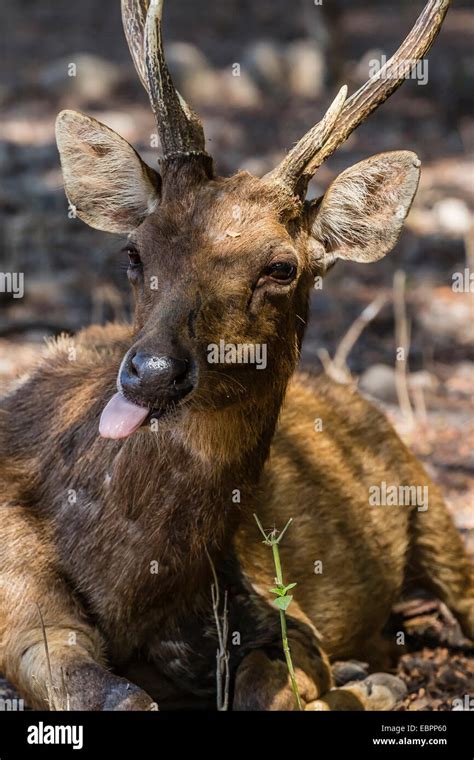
[[181, 132], [383, 84], [289, 171], [372, 94], [133, 19]]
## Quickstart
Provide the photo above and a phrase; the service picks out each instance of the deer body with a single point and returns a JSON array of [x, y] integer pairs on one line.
[[112, 536], [106, 541]]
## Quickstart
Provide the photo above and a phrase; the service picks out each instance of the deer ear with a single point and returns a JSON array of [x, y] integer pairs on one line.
[[106, 181], [361, 215]]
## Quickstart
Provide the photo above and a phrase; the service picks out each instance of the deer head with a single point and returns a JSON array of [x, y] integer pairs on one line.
[[228, 261]]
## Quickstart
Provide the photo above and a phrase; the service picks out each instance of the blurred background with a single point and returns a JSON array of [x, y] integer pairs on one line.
[[290, 60]]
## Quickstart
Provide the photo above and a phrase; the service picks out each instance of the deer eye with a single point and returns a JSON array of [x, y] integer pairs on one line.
[[281, 271], [135, 267], [134, 260]]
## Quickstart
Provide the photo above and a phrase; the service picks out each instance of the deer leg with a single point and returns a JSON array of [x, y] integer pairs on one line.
[[440, 563], [263, 683], [60, 664], [379, 691]]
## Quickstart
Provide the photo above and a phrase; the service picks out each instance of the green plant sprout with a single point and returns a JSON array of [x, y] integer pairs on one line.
[[283, 598]]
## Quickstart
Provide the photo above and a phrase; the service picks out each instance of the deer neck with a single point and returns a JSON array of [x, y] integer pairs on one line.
[[236, 438], [189, 486], [213, 459]]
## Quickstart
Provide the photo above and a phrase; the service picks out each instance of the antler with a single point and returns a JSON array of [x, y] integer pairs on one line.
[[179, 128], [292, 166], [341, 119]]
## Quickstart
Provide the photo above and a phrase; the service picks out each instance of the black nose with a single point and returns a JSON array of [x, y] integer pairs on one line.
[[154, 379]]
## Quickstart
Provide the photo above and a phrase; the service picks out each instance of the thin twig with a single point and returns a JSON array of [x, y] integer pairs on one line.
[[50, 683], [355, 331], [402, 340], [222, 654], [67, 701], [58, 699], [273, 538]]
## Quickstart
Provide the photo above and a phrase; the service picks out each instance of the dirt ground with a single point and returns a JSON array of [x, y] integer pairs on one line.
[[291, 63]]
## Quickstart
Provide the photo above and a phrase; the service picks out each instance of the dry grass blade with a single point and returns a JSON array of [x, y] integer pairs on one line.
[[222, 654], [57, 698], [402, 340]]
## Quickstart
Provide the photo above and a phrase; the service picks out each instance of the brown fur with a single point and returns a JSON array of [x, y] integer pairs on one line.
[[166, 496], [83, 520]]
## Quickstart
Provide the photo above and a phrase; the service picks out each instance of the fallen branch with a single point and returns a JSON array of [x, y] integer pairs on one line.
[[337, 367]]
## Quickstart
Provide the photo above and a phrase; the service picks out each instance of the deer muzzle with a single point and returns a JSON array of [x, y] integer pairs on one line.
[[149, 386]]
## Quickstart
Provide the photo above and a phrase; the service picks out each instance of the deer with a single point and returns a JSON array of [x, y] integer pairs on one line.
[[167, 455]]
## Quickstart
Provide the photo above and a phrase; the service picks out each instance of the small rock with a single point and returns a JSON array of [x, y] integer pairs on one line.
[[419, 704], [239, 91], [382, 691], [450, 679], [350, 670], [422, 380], [453, 217], [265, 64], [448, 315], [203, 88], [192, 74], [306, 69], [367, 66], [461, 379], [82, 76], [379, 381], [184, 60]]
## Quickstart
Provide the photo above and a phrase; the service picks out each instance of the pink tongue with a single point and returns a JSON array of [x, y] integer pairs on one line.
[[121, 418]]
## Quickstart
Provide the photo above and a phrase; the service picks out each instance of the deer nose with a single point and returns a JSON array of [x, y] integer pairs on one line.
[[155, 379]]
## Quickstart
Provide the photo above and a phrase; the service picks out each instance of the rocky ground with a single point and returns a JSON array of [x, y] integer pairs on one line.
[[290, 65]]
